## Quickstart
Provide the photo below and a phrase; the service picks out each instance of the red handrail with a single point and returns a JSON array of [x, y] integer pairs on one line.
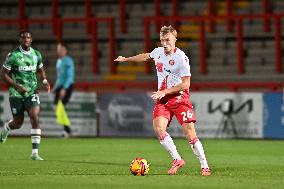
[[211, 18], [89, 15], [157, 13], [211, 12], [202, 49], [175, 11], [58, 24], [278, 47], [229, 5], [21, 16], [229, 9], [54, 8], [147, 35], [122, 16], [94, 47], [266, 22], [240, 48], [57, 27], [112, 65], [238, 18]]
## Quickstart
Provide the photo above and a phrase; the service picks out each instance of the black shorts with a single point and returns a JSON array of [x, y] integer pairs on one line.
[[20, 105], [67, 96]]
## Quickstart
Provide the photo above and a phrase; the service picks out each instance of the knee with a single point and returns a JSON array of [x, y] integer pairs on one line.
[[16, 123], [160, 132], [189, 131]]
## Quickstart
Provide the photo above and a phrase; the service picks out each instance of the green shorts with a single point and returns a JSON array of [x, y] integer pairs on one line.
[[19, 105]]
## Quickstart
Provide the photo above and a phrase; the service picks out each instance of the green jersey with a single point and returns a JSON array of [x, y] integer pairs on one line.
[[23, 66]]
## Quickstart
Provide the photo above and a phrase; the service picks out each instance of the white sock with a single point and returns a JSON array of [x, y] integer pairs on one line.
[[35, 136], [6, 126], [168, 143], [197, 149]]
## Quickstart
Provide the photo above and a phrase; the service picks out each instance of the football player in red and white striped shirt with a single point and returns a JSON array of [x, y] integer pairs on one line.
[[173, 72]]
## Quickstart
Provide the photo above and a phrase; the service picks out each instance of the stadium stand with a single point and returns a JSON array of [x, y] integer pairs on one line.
[[241, 46]]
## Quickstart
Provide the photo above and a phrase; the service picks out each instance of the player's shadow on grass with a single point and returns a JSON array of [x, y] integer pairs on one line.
[[87, 162], [96, 162], [105, 163]]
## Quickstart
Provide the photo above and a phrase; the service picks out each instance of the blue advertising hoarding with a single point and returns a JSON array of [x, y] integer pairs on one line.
[[273, 117]]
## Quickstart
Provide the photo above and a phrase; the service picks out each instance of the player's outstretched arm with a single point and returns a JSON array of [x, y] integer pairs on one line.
[[137, 58]]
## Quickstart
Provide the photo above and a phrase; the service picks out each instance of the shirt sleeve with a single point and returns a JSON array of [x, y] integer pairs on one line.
[[8, 63], [153, 54], [185, 68], [39, 60]]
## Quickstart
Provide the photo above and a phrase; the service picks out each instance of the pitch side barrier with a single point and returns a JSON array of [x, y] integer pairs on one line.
[[254, 115], [82, 112]]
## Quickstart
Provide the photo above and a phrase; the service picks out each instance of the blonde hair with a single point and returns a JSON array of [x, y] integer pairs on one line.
[[168, 29]]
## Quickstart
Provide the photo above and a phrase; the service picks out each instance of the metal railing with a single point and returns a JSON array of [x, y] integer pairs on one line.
[[202, 20], [91, 29]]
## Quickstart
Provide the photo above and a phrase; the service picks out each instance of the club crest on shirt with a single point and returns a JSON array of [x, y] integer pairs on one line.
[[35, 58], [171, 62], [159, 67], [21, 59]]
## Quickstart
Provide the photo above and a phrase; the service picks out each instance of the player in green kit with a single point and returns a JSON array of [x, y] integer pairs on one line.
[[20, 71]]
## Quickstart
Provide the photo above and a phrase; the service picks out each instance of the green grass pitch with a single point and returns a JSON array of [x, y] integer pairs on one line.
[[104, 163]]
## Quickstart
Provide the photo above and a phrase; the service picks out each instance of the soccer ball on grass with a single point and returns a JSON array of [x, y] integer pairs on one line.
[[139, 167]]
